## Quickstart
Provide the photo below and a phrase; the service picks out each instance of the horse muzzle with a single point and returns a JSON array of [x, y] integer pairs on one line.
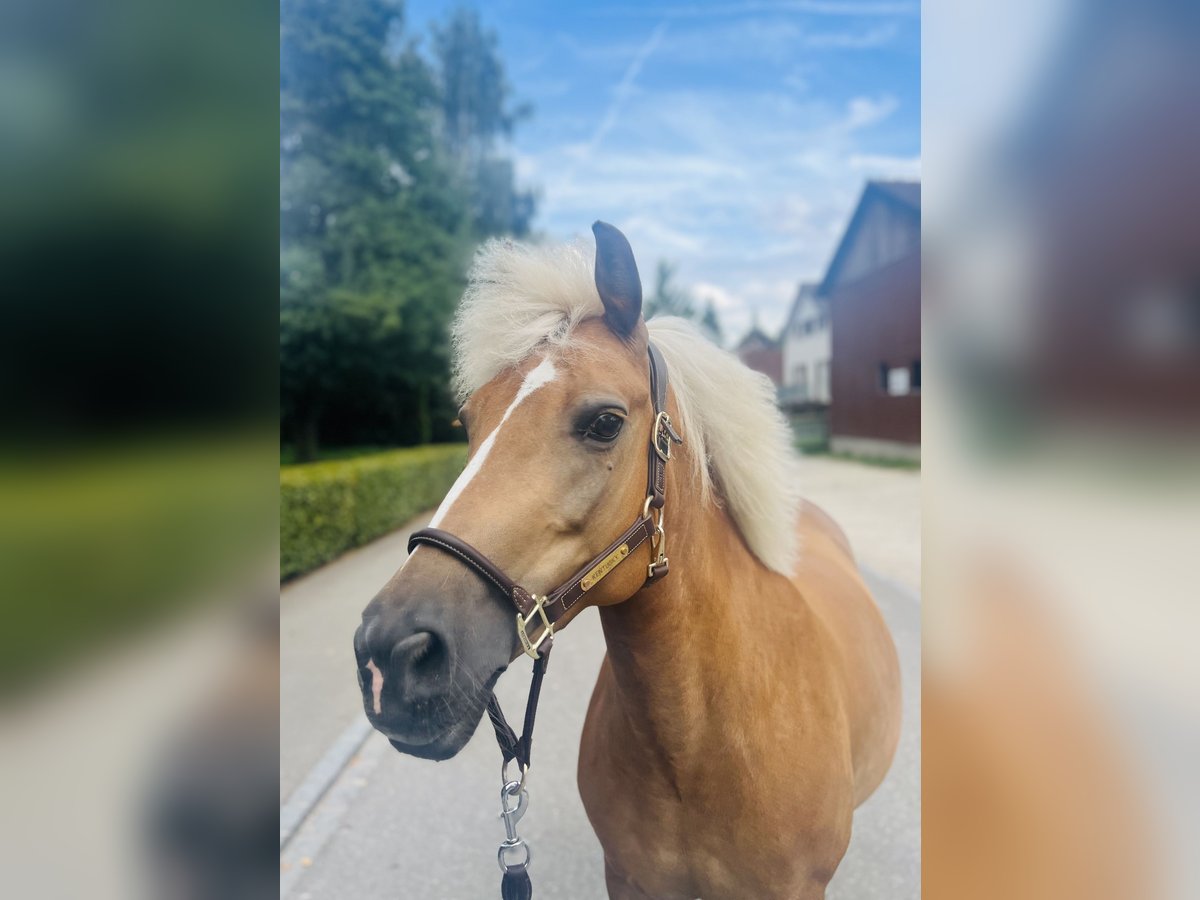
[[419, 688]]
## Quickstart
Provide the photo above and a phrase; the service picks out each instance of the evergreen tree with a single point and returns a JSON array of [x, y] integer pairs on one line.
[[377, 220], [711, 324], [668, 298], [476, 119]]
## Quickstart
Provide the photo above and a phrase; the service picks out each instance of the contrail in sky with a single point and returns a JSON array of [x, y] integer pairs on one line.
[[625, 88]]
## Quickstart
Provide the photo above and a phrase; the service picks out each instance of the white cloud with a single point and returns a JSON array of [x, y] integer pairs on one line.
[[525, 167], [748, 39], [879, 36], [864, 111], [893, 167], [798, 79], [843, 8], [762, 301], [652, 231], [722, 300]]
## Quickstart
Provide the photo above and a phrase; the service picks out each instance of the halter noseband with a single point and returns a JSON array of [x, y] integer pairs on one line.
[[549, 608]]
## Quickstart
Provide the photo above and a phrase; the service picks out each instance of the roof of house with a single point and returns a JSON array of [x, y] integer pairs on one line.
[[905, 192], [807, 290], [904, 196], [756, 334]]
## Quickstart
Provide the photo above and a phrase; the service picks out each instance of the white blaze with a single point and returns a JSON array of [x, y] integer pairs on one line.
[[376, 685], [543, 374]]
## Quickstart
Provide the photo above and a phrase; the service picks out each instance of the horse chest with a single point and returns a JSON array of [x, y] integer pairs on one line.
[[636, 812], [716, 829], [670, 847]]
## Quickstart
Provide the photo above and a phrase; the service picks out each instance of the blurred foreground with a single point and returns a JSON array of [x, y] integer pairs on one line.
[[1062, 506], [138, 449]]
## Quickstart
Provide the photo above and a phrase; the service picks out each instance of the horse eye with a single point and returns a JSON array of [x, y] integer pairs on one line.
[[605, 427]]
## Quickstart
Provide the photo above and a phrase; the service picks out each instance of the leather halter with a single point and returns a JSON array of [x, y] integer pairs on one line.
[[551, 607]]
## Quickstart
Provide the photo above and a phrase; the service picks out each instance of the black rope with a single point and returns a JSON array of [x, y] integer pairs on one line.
[[511, 746]]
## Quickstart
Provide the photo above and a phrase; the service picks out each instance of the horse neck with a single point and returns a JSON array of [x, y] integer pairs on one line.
[[686, 648]]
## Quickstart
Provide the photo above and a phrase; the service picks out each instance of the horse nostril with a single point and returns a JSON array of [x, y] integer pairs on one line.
[[420, 657]]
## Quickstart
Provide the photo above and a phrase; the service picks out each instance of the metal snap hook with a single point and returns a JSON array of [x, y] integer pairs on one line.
[[513, 792], [512, 814], [505, 778], [510, 848]]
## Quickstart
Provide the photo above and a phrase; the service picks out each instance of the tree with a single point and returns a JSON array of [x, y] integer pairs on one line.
[[476, 117], [367, 228], [668, 298], [711, 324], [377, 220]]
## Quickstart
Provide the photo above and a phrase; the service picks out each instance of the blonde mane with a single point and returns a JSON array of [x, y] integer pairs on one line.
[[520, 297]]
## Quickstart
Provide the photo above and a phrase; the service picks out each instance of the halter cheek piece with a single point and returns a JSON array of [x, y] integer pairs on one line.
[[549, 608]]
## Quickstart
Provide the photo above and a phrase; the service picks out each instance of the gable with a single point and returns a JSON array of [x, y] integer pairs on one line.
[[885, 227], [806, 299]]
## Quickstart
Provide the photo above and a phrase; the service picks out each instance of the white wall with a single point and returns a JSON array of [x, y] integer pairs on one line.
[[809, 352]]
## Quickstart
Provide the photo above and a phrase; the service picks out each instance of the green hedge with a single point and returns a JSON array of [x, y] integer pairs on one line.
[[326, 508]]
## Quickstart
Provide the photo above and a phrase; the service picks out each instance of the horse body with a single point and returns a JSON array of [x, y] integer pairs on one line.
[[738, 718], [749, 699]]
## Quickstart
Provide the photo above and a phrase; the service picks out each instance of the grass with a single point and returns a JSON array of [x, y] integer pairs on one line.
[[821, 448]]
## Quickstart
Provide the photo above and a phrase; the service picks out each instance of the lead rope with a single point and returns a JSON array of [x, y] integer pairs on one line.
[[514, 853]]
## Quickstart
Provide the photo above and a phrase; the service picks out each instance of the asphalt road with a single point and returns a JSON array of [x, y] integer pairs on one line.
[[360, 821]]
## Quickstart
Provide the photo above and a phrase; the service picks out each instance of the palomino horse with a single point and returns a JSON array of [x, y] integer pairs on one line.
[[749, 700]]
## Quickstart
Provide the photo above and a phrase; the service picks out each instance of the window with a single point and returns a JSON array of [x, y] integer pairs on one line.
[[821, 390], [898, 381], [800, 381]]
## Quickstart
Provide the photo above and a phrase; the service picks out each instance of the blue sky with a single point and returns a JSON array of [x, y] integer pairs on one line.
[[731, 138]]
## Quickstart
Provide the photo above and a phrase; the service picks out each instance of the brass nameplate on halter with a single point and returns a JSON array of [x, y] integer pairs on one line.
[[603, 567]]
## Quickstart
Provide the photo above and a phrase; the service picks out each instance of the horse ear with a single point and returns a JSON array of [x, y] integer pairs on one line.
[[617, 280]]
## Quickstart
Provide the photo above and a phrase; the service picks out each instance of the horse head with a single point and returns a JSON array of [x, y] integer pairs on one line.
[[556, 469]]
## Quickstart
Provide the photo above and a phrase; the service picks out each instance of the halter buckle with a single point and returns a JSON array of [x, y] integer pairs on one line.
[[663, 435], [529, 644], [658, 544]]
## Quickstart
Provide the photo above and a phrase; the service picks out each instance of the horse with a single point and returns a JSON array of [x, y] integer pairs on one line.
[[749, 697]]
